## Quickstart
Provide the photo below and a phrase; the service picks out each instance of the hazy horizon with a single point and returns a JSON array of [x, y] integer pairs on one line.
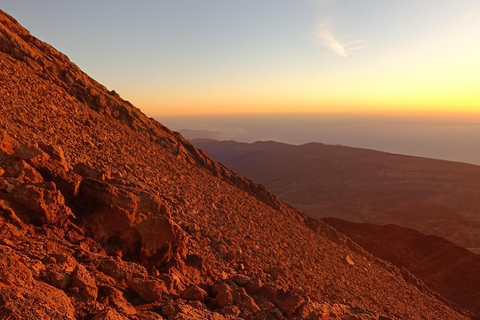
[[439, 138]]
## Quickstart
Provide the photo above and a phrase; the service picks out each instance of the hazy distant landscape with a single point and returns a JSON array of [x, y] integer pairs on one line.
[[440, 138]]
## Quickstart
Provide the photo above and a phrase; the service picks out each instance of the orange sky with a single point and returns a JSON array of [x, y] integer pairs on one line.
[[272, 56]]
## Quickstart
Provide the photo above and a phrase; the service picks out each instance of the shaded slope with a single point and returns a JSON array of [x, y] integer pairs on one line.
[[432, 196], [449, 269], [107, 214]]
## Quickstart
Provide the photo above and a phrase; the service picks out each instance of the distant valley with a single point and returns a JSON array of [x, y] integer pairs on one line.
[[432, 196]]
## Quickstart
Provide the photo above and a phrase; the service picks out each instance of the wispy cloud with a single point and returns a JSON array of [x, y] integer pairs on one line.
[[327, 16], [325, 35], [355, 45]]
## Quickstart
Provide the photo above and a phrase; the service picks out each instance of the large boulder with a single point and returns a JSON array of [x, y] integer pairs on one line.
[[137, 225]]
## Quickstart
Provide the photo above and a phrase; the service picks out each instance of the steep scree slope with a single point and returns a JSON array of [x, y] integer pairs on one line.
[[107, 214], [449, 269]]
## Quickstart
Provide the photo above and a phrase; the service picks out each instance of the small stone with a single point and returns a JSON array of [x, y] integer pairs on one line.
[[59, 280], [290, 304], [246, 303], [148, 315], [196, 304], [193, 293], [169, 310], [74, 290], [85, 283], [87, 171], [232, 311], [109, 315], [56, 153], [29, 152], [240, 279], [172, 282], [223, 275], [117, 300], [7, 143], [223, 294], [253, 286], [349, 260], [9, 188], [148, 290]]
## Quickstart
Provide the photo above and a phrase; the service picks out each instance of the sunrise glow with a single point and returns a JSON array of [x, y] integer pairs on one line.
[[222, 57]]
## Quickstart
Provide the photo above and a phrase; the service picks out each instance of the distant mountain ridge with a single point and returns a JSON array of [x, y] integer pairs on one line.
[[432, 196]]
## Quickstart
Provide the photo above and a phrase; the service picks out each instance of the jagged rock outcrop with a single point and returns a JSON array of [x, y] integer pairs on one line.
[[106, 214]]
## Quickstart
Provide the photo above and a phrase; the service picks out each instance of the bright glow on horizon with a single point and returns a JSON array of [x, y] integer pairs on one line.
[[271, 56]]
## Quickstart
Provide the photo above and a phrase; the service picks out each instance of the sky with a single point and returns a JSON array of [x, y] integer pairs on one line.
[[179, 57]]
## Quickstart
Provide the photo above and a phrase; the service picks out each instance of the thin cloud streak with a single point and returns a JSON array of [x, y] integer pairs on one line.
[[354, 45], [324, 34]]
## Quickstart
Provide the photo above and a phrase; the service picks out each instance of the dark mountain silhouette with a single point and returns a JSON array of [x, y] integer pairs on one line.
[[432, 196], [107, 214]]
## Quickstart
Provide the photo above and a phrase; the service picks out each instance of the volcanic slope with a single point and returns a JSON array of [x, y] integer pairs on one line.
[[107, 214], [431, 196], [449, 269]]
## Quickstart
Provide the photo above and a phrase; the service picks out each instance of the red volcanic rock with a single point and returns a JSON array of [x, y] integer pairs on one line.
[[60, 280], [223, 293], [12, 270], [246, 303], [128, 219], [253, 286], [120, 270], [148, 290], [115, 299], [85, 283], [193, 293], [39, 301], [147, 315], [110, 314], [44, 200], [7, 143], [22, 297], [56, 154], [88, 172], [27, 152], [290, 304], [230, 311]]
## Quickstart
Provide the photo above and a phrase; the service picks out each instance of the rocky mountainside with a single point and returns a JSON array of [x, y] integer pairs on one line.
[[107, 214], [449, 269], [431, 196]]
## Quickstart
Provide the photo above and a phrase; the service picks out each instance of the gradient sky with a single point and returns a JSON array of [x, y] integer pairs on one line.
[[173, 57]]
